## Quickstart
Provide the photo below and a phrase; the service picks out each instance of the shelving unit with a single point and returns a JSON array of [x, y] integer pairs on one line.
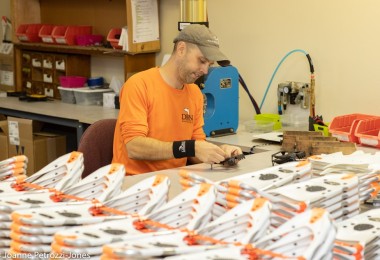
[[102, 15], [6, 72], [41, 70]]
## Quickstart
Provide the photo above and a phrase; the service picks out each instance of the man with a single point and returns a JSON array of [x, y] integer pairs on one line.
[[161, 110]]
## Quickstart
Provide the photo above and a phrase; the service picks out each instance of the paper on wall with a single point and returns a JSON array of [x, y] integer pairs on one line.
[[145, 21]]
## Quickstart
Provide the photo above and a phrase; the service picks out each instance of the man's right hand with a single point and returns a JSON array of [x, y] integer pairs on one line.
[[209, 153]]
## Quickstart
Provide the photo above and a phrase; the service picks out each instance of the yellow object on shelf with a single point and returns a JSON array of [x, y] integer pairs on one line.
[[270, 118], [323, 129]]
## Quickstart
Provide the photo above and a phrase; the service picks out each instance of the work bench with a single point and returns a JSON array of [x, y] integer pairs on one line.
[[57, 112]]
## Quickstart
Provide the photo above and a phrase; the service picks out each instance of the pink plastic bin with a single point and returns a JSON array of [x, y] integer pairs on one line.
[[45, 33], [89, 40], [29, 32], [113, 37], [344, 127], [72, 81], [368, 132], [67, 34]]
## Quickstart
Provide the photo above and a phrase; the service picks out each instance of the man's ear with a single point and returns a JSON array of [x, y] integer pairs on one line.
[[181, 48]]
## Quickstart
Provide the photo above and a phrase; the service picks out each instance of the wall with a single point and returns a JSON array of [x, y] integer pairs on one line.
[[342, 37], [107, 67]]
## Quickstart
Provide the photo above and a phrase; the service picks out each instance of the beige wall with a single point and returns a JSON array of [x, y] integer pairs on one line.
[[342, 37]]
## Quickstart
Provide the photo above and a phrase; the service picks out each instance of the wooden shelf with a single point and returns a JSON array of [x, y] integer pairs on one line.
[[73, 49], [102, 15]]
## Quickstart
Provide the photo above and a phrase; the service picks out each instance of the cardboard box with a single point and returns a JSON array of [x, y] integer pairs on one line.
[[3, 140], [40, 148]]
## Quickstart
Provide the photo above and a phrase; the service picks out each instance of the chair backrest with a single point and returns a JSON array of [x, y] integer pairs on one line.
[[96, 144]]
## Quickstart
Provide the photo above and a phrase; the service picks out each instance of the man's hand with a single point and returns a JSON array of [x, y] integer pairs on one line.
[[231, 150], [209, 153]]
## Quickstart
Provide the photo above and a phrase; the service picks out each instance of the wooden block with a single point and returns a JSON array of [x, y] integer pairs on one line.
[[302, 143], [318, 138], [332, 147], [313, 143], [304, 133]]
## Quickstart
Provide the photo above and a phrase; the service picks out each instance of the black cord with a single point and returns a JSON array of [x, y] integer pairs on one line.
[[253, 101], [310, 63], [242, 82]]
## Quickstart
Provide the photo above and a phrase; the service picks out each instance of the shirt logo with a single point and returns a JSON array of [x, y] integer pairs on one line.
[[186, 116]]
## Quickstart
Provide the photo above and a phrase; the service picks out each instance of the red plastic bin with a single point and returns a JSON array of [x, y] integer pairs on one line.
[[113, 37], [45, 33], [368, 132], [58, 34], [344, 127], [67, 34], [29, 32]]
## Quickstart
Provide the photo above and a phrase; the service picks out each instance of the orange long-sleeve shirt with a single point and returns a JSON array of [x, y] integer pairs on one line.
[[151, 108]]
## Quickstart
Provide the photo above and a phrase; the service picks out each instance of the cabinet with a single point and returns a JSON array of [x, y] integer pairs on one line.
[[102, 15], [41, 70]]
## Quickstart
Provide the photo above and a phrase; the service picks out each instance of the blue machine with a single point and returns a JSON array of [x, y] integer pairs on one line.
[[221, 104]]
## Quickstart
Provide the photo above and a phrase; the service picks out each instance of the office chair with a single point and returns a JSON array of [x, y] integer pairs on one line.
[[96, 144]]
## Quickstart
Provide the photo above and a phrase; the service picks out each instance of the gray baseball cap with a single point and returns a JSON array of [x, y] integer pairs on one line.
[[206, 41]]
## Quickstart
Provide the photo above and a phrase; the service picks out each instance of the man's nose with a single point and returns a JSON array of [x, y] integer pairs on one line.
[[204, 69]]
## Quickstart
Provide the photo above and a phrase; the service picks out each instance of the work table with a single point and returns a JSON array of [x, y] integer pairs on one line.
[[58, 109], [57, 112]]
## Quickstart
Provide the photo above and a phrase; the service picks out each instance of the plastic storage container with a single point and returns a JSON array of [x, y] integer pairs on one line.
[[72, 81], [368, 132], [89, 40], [344, 127], [295, 122], [67, 95], [259, 126], [29, 32], [113, 37], [45, 33], [276, 119], [88, 97], [67, 34], [58, 33]]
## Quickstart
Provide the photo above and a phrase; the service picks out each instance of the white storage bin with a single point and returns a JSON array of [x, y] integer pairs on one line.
[[60, 64], [67, 95], [88, 97], [47, 78], [36, 62], [48, 64]]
